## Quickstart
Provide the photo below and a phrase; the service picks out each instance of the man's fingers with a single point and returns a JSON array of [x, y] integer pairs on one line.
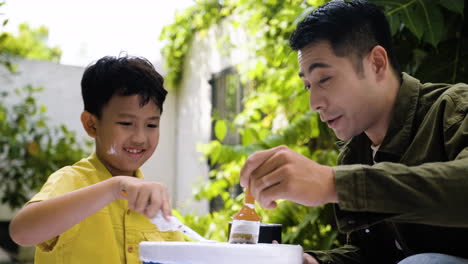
[[253, 162], [267, 198], [259, 184], [308, 259], [276, 160]]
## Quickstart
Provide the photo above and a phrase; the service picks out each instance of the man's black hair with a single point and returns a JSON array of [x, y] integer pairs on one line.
[[123, 76], [352, 29]]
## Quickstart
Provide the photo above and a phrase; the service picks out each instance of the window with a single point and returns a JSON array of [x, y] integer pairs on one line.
[[226, 96]]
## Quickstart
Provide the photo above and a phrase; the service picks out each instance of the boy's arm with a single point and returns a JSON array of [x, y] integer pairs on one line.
[[40, 221]]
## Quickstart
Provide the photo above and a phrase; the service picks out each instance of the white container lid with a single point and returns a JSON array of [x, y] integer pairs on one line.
[[172, 252]]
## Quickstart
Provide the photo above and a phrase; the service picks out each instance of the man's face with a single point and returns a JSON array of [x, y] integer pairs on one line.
[[346, 100], [127, 134]]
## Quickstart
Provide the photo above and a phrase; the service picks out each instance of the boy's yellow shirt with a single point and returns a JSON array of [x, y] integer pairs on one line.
[[111, 235]]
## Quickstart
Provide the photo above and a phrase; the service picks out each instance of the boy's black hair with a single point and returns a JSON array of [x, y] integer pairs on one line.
[[352, 29], [122, 76]]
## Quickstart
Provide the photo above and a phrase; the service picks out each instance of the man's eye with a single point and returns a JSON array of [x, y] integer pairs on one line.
[[324, 80], [152, 126], [124, 123]]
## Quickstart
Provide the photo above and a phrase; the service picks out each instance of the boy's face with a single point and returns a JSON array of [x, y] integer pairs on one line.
[[126, 134], [348, 101]]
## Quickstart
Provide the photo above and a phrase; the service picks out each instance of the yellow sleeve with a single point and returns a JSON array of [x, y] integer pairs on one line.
[[60, 182]]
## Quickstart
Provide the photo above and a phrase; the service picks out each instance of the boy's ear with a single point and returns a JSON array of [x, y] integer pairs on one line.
[[89, 123]]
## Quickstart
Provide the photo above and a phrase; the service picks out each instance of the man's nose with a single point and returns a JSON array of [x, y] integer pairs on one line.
[[317, 101]]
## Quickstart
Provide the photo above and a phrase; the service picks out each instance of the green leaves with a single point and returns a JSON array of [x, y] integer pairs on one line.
[[220, 129], [28, 43], [422, 17], [449, 64], [29, 149], [455, 6], [437, 23]]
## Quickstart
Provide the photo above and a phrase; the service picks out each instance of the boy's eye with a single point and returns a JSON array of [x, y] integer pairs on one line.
[[124, 123], [152, 125]]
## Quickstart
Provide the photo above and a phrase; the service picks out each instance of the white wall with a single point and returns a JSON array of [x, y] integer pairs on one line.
[[194, 109], [62, 96]]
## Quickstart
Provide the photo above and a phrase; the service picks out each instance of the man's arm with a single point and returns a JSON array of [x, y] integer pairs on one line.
[[431, 193]]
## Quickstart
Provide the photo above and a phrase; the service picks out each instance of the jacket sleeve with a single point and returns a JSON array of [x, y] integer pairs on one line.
[[433, 193], [347, 254]]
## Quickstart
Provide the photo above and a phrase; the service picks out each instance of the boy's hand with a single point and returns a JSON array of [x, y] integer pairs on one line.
[[143, 196]]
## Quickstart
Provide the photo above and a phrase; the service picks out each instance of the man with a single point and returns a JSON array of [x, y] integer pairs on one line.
[[402, 182]]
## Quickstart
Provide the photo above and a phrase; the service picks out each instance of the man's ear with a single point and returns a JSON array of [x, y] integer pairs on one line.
[[89, 123], [379, 60]]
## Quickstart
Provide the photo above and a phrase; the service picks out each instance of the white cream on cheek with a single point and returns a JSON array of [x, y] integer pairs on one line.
[[112, 150]]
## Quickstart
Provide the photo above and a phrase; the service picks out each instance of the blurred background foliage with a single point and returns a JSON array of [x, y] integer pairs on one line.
[[30, 148], [431, 43]]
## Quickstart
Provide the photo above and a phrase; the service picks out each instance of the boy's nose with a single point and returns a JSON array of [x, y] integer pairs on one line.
[[138, 136]]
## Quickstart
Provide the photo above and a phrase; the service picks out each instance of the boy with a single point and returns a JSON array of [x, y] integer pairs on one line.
[[96, 211]]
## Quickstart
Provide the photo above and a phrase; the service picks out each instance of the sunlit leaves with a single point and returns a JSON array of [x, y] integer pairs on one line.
[[179, 35], [220, 130], [29, 43]]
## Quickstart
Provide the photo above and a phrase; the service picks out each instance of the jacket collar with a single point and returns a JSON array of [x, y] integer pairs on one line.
[[401, 125]]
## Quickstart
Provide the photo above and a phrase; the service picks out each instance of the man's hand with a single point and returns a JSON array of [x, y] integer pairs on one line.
[[308, 259], [143, 196], [280, 173]]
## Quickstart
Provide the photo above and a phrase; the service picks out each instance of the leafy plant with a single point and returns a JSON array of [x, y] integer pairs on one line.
[[29, 43], [430, 38], [29, 149]]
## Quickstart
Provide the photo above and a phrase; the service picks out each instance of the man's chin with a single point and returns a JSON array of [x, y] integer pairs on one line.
[[342, 136]]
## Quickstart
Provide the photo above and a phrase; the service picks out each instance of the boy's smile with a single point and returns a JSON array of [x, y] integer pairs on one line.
[[126, 134]]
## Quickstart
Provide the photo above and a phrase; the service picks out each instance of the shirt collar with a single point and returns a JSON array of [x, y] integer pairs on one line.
[[103, 173]]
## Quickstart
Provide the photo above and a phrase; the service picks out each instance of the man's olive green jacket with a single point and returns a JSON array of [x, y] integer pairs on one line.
[[415, 198]]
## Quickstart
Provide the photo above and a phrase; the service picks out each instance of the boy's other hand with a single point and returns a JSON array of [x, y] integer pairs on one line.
[[144, 197]]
